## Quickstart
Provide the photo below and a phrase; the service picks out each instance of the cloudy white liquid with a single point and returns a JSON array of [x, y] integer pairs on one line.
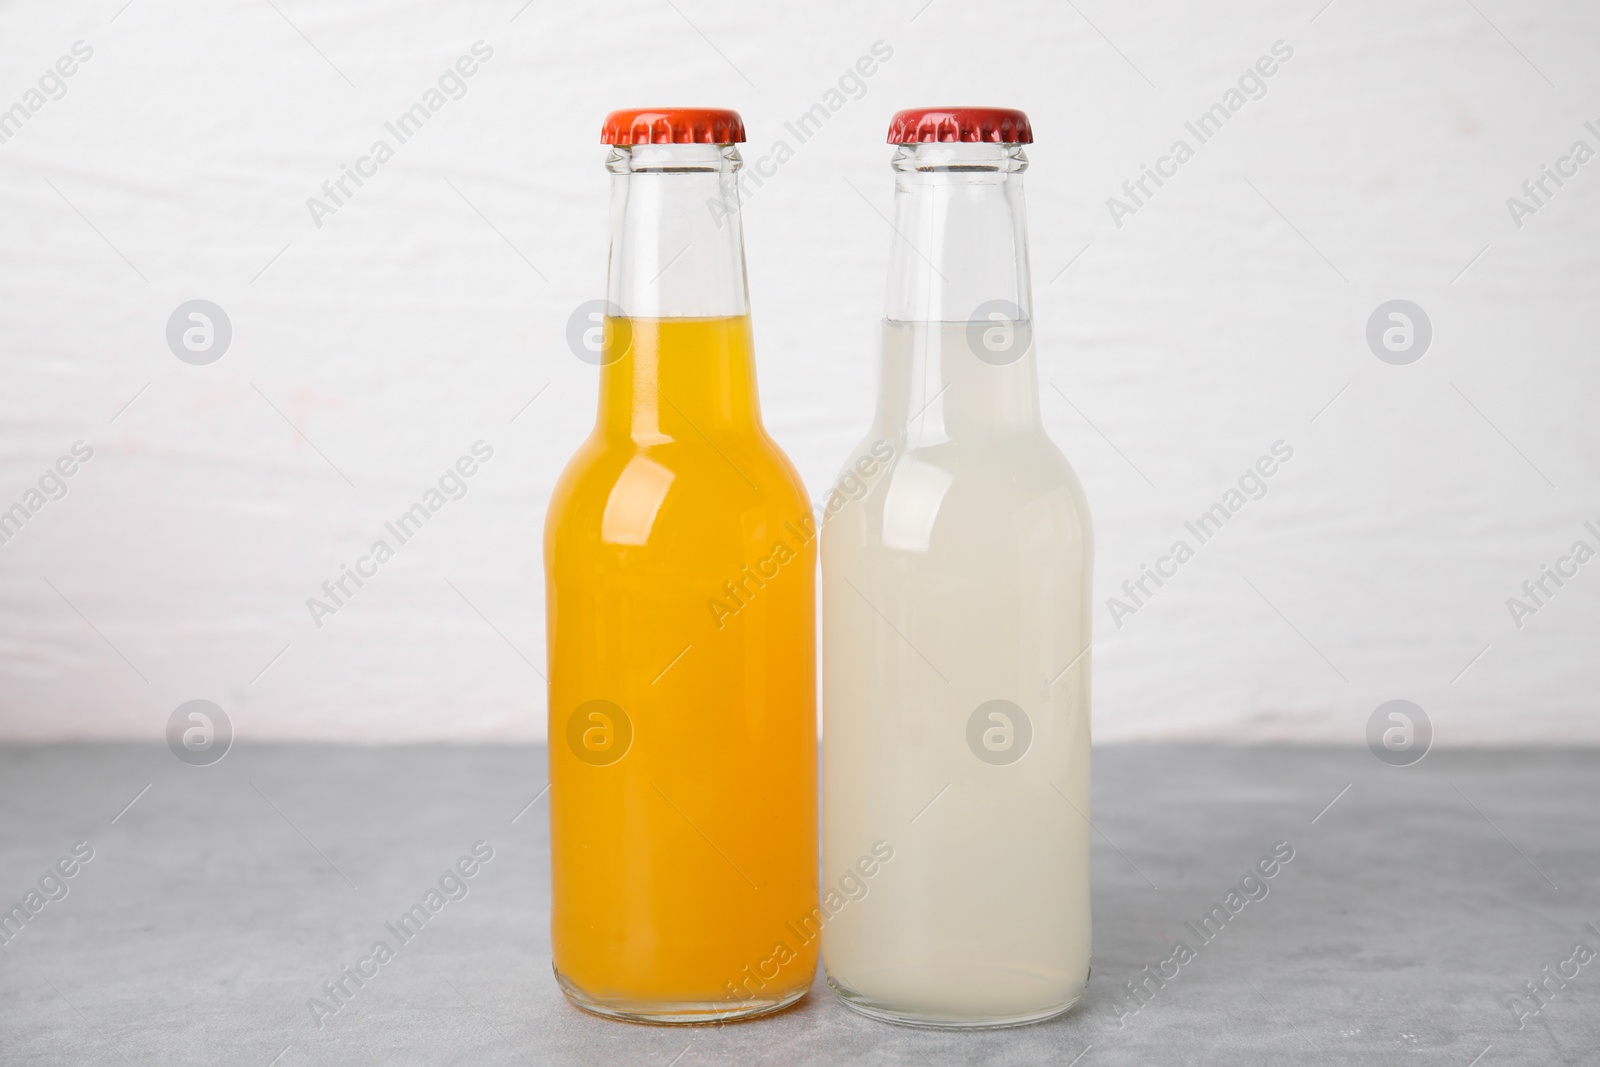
[[959, 578]]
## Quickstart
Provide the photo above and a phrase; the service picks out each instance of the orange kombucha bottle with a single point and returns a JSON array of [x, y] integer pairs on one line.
[[680, 551]]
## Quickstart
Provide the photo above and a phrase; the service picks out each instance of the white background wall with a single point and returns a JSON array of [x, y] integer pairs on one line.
[[422, 317]]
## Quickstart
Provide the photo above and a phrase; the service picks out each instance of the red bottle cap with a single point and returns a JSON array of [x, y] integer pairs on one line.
[[996, 125], [673, 125]]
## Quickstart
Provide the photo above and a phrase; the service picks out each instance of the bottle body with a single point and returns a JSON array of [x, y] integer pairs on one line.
[[956, 674], [679, 563]]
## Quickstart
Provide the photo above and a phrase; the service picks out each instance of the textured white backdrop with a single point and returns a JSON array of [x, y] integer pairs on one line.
[[424, 314]]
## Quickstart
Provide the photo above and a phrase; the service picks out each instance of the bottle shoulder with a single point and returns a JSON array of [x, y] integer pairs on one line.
[[1020, 463], [619, 491], [1009, 488]]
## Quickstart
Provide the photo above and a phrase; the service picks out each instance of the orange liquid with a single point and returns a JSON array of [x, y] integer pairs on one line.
[[680, 866]]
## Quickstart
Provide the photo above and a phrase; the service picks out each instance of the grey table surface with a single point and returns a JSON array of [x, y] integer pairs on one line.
[[217, 904]]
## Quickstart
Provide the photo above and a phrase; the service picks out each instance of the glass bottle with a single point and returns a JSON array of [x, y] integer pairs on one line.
[[680, 552], [956, 591]]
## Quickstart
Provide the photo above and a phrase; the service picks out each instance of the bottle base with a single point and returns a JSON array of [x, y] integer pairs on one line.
[[675, 1013], [944, 1020]]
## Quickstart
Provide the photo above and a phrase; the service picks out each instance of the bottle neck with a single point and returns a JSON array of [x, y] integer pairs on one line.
[[677, 245], [958, 341], [678, 358]]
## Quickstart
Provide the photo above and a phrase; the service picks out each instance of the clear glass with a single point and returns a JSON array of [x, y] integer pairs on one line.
[[680, 553], [957, 561]]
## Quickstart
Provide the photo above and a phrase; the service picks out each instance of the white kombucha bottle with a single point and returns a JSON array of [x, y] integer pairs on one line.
[[956, 562]]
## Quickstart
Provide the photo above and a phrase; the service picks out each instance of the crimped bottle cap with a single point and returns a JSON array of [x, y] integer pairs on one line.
[[673, 125], [995, 125]]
